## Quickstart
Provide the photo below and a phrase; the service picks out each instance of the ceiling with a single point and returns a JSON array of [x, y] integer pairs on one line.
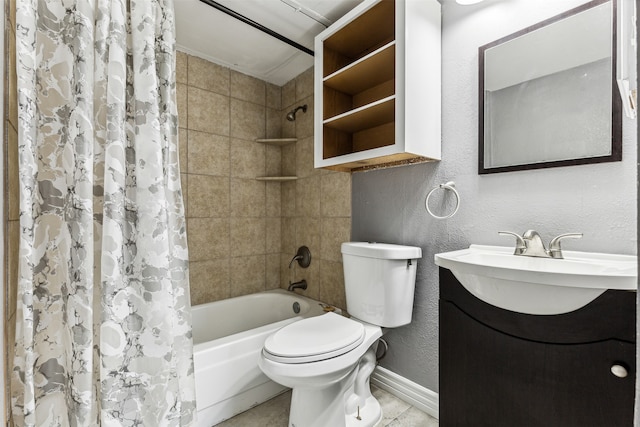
[[206, 32]]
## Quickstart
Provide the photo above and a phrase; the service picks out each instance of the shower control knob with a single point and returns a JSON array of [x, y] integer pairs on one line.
[[619, 371]]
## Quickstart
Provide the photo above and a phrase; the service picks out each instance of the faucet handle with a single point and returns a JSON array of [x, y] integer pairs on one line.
[[520, 243], [555, 250]]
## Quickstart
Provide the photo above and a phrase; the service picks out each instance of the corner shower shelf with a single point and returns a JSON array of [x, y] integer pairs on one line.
[[277, 141]]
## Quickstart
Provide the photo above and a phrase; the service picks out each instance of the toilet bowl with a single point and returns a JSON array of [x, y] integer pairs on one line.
[[327, 360], [320, 358]]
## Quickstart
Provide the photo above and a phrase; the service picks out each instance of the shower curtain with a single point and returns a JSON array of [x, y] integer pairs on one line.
[[103, 332]]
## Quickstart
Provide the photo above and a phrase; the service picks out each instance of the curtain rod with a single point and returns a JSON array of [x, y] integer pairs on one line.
[[257, 26]]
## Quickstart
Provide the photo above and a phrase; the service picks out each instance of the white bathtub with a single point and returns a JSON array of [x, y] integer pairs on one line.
[[228, 336]]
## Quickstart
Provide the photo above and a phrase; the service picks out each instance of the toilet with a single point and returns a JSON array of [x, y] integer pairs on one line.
[[327, 360]]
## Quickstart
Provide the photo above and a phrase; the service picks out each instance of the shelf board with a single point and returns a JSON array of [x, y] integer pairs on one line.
[[365, 117], [277, 141], [367, 72], [276, 178]]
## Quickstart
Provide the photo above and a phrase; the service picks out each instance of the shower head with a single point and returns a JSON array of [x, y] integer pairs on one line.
[[291, 115]]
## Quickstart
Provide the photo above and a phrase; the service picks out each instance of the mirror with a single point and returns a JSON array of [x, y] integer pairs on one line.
[[548, 96]]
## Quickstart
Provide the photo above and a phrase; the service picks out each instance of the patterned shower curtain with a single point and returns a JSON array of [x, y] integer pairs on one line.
[[103, 331]]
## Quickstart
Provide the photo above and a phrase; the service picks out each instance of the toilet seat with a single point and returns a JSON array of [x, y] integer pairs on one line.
[[314, 339]]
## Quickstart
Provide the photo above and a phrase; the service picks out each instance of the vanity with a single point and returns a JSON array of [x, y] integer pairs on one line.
[[500, 367]]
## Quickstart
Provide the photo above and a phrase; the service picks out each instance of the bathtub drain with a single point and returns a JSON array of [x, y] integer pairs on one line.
[[296, 307]]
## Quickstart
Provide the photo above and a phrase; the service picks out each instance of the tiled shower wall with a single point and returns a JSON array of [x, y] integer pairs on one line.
[[242, 232], [233, 220]]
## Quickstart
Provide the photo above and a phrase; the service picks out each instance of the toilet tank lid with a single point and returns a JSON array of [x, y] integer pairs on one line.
[[381, 250]]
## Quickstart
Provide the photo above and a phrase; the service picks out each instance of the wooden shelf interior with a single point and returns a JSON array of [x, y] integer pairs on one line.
[[366, 33], [358, 88]]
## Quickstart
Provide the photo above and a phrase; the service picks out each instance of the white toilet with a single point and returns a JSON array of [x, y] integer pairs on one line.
[[327, 360]]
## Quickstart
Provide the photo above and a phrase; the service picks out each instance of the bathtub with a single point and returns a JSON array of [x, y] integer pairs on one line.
[[228, 336]]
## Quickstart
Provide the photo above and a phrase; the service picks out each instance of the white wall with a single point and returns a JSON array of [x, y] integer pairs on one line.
[[388, 205]]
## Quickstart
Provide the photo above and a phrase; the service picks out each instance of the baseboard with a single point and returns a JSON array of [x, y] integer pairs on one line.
[[412, 393]]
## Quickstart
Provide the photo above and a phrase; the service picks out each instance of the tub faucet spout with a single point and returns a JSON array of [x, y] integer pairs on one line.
[[302, 284]]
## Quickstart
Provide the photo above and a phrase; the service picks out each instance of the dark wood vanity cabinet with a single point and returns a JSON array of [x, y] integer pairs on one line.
[[502, 368]]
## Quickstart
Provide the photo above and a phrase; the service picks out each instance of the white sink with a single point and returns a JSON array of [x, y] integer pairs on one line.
[[539, 285]]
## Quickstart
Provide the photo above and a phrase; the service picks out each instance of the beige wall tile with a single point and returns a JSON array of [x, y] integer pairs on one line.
[[248, 198], [207, 111], [308, 196], [304, 84], [210, 196], [248, 88], [272, 271], [208, 238], [273, 160], [247, 159], [288, 193], [208, 154], [247, 275], [304, 158], [289, 93], [308, 233], [286, 273], [181, 67], [183, 148], [273, 235], [209, 280], [248, 236], [304, 121], [209, 76], [335, 194], [274, 199], [181, 100], [334, 231], [273, 123], [289, 159], [247, 120], [332, 284], [13, 81], [288, 232], [274, 96], [12, 12]]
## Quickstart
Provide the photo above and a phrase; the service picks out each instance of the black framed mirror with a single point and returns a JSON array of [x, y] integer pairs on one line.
[[548, 95]]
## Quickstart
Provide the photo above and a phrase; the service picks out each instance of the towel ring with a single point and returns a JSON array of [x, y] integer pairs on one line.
[[451, 186]]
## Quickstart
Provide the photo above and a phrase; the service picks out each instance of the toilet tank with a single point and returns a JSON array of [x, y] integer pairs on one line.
[[379, 281]]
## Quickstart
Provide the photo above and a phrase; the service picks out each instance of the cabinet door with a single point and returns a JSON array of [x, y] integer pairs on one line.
[[488, 378]]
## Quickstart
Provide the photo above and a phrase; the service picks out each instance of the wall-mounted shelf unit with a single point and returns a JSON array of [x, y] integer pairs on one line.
[[377, 93], [280, 142]]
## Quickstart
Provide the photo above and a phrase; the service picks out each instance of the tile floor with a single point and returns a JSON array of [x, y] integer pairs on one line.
[[274, 413]]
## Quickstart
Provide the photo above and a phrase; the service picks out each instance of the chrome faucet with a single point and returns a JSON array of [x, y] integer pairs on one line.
[[302, 284], [555, 251], [530, 244]]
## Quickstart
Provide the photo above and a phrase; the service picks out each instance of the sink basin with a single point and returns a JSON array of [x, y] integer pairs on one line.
[[541, 286]]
